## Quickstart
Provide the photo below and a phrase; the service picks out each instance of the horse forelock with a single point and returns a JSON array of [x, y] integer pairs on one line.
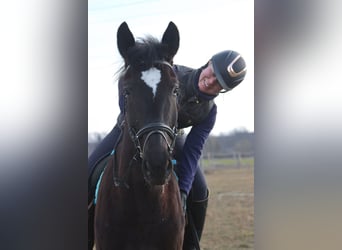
[[142, 58], [145, 52]]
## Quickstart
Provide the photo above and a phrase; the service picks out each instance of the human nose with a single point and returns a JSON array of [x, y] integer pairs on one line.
[[212, 80]]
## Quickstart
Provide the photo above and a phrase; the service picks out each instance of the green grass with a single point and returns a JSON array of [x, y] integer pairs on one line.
[[228, 162]]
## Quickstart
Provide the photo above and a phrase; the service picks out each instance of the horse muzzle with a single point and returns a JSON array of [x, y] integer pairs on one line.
[[156, 151], [157, 169]]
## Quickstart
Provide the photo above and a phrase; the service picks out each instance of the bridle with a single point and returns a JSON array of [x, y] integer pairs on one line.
[[148, 130], [154, 128]]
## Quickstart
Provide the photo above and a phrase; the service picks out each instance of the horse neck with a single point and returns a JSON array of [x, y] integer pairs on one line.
[[126, 144]]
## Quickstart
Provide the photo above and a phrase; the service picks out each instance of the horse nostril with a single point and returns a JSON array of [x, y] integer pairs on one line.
[[147, 168]]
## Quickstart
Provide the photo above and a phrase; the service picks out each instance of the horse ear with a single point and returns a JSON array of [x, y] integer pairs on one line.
[[171, 39], [125, 39]]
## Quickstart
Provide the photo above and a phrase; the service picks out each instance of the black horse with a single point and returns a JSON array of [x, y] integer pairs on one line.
[[138, 203]]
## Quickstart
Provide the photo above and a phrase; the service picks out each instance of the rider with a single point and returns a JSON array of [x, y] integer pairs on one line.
[[198, 89]]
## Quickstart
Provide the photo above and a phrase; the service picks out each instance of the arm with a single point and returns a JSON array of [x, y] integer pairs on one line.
[[192, 150]]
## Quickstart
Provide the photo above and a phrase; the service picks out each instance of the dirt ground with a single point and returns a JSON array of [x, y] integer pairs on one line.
[[230, 216]]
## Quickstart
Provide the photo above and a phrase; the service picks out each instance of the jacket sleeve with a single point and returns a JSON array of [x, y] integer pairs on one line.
[[192, 150]]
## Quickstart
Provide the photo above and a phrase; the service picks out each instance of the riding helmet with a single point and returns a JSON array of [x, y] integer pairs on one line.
[[229, 68]]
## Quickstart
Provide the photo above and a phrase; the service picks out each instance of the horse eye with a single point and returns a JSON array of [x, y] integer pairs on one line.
[[126, 93], [176, 91]]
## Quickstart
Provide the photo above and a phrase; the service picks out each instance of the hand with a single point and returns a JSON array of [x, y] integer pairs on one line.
[[183, 200]]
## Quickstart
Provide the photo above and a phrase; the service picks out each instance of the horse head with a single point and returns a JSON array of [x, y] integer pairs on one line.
[[150, 86]]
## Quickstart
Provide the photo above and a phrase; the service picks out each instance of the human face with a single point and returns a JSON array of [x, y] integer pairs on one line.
[[208, 82]]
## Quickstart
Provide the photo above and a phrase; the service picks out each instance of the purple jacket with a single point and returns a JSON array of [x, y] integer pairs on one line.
[[199, 111]]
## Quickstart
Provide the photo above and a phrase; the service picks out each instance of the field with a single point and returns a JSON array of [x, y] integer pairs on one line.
[[230, 216]]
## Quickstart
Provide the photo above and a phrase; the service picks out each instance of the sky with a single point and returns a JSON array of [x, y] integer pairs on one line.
[[205, 27]]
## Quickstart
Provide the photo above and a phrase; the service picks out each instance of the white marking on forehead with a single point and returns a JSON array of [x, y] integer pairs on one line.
[[151, 77]]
